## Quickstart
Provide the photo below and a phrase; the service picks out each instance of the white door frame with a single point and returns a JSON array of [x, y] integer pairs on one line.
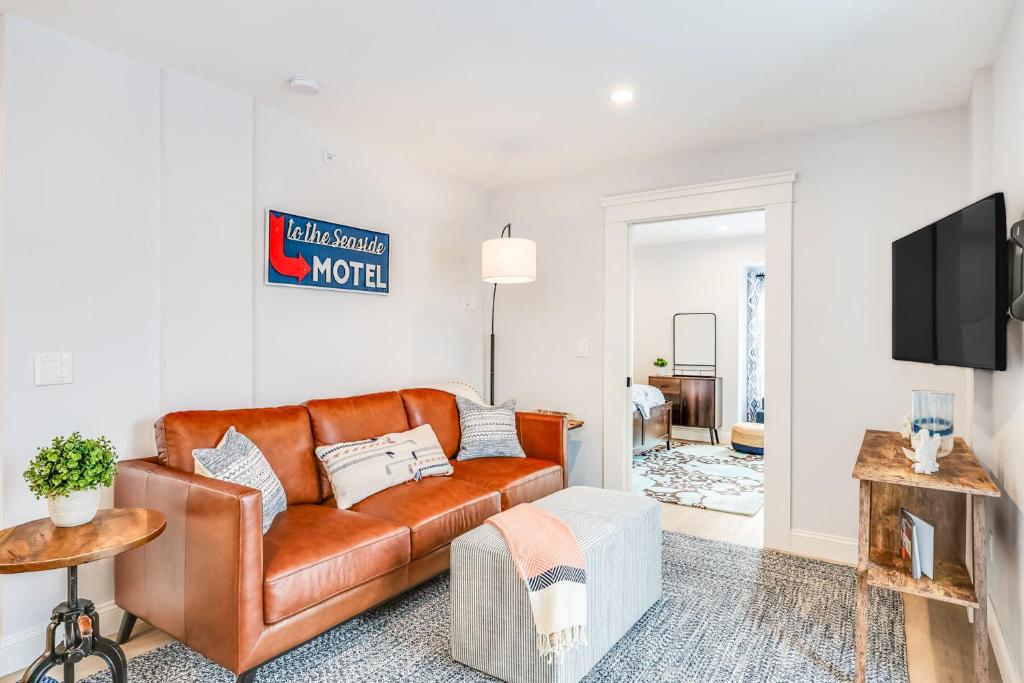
[[774, 194]]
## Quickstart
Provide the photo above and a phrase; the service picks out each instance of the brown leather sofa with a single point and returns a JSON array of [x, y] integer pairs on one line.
[[217, 584]]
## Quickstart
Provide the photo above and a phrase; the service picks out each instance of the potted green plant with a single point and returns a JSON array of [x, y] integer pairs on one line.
[[69, 473], [662, 366]]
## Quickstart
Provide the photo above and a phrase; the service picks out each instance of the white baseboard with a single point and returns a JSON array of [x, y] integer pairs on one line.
[[18, 650], [823, 546], [1007, 669]]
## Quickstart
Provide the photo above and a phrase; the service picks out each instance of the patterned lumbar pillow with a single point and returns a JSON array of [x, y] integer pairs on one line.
[[238, 460], [488, 431], [359, 469]]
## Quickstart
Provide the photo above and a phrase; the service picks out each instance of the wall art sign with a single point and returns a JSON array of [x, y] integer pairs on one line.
[[307, 252]]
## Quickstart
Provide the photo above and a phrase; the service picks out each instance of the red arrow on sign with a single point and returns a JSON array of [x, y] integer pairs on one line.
[[294, 266]]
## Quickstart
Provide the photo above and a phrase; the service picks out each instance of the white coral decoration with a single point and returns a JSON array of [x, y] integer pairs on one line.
[[905, 428], [926, 452]]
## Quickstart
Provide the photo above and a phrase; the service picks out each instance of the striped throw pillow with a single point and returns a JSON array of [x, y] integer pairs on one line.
[[359, 469], [488, 431], [238, 460]]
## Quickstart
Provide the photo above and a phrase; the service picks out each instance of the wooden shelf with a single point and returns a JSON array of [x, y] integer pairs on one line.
[[952, 583], [953, 500]]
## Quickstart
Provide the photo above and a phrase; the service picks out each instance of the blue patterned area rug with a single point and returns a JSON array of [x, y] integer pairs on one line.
[[701, 476], [728, 614]]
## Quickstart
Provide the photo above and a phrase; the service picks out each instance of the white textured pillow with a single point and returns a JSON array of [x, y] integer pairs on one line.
[[238, 460], [359, 469]]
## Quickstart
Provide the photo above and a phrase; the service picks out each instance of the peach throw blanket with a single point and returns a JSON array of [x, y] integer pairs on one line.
[[551, 563]]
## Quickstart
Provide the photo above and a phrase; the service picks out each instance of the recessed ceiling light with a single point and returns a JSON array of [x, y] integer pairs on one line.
[[622, 96], [304, 85], [723, 228]]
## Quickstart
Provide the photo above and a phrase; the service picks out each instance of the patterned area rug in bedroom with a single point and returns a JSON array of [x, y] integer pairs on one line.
[[701, 476], [728, 614]]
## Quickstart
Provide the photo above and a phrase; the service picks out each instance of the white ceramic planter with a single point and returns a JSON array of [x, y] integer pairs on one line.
[[74, 509], [665, 372]]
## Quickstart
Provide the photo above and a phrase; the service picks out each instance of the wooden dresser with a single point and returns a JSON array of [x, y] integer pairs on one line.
[[696, 401]]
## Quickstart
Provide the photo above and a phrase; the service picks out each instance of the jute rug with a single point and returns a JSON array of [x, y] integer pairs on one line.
[[728, 614], [701, 476]]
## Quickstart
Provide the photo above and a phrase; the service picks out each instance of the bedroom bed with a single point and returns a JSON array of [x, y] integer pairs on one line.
[[652, 418]]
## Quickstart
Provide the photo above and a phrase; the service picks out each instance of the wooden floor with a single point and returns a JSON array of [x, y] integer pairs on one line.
[[938, 635]]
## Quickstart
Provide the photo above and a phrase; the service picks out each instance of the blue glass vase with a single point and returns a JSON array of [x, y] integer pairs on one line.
[[933, 410]]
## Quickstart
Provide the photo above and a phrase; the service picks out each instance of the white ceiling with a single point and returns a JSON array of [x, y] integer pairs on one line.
[[722, 226], [509, 92]]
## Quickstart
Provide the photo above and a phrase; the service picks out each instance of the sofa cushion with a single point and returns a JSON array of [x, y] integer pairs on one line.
[[518, 480], [238, 460], [314, 552], [354, 418], [488, 431], [359, 469], [282, 434], [438, 409], [436, 510]]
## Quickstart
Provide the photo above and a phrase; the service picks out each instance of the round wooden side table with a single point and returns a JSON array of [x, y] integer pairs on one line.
[[40, 545]]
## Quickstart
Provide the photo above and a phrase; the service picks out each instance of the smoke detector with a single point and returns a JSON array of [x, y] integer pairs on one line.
[[304, 85]]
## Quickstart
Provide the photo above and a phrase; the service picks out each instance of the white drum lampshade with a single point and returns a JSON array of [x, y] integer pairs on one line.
[[509, 261]]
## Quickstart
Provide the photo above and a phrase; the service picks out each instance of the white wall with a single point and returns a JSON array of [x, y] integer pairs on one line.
[[857, 189], [132, 234], [80, 269], [312, 343], [206, 243], [702, 276], [998, 108]]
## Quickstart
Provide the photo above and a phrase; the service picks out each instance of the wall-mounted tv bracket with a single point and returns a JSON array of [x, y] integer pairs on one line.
[[1016, 245]]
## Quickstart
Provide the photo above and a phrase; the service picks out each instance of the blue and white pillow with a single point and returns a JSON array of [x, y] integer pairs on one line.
[[238, 460], [488, 431]]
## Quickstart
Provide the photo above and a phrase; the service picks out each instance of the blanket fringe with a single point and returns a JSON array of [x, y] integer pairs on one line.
[[554, 645]]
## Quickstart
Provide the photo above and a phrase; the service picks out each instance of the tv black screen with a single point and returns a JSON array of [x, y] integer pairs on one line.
[[949, 289]]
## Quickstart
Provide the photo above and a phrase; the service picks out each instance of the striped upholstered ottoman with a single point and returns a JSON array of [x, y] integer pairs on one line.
[[492, 626]]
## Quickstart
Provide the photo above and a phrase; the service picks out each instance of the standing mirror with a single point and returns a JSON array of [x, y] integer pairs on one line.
[[694, 344]]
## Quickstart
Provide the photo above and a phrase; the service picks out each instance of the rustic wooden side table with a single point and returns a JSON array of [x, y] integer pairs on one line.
[[887, 483], [40, 545]]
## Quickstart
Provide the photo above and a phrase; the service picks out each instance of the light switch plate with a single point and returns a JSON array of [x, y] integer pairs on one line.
[[581, 348], [55, 367]]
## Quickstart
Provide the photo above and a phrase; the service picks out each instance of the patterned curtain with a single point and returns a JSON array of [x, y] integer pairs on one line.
[[755, 344]]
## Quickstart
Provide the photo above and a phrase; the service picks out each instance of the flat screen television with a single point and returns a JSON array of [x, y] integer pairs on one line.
[[950, 289]]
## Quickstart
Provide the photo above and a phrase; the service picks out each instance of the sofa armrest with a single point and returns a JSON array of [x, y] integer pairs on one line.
[[201, 581], [545, 436]]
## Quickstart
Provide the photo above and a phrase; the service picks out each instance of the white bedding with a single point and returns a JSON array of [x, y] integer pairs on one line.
[[645, 397]]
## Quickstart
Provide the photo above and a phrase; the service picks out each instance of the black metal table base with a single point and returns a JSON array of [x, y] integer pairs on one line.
[[82, 639]]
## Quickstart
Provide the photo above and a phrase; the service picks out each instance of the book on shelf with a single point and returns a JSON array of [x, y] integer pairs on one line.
[[917, 544]]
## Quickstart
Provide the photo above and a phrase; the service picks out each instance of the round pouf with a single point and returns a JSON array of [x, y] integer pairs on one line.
[[748, 437]]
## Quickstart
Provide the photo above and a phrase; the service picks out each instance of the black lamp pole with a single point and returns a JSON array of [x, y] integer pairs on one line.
[[505, 232]]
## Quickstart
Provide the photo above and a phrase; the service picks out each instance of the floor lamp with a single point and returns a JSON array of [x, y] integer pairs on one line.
[[507, 260]]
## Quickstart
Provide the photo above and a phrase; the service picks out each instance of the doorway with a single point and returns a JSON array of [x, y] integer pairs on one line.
[[772, 194], [697, 304]]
